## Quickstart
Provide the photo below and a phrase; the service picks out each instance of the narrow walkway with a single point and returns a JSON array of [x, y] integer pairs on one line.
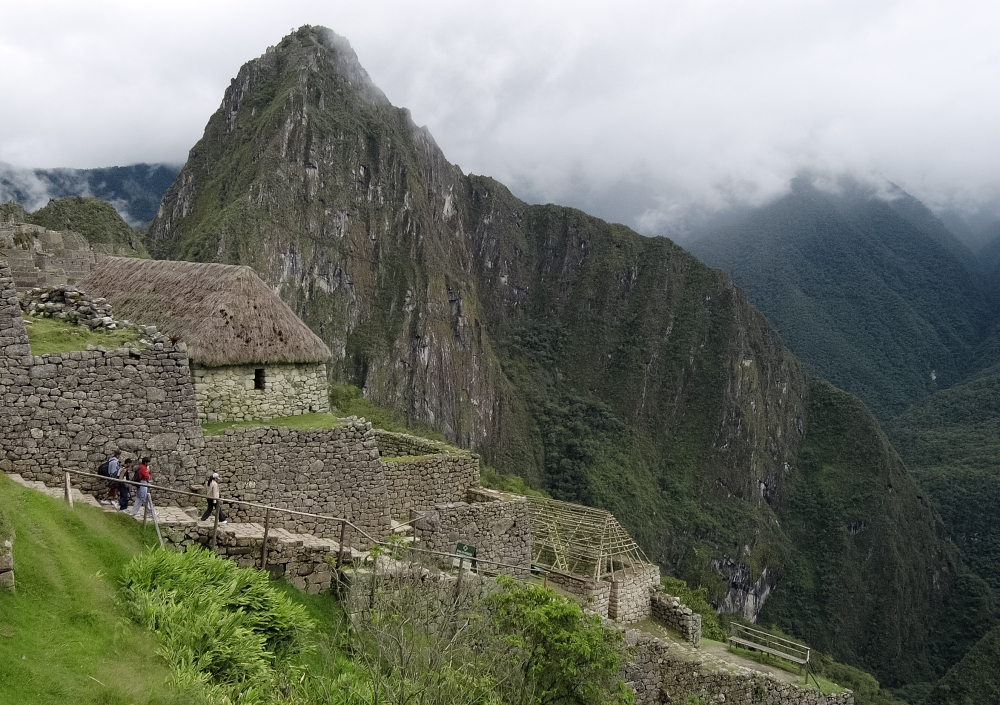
[[230, 532]]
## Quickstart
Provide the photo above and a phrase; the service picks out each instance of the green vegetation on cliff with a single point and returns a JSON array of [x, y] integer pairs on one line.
[[973, 680], [599, 365], [951, 442], [93, 218]]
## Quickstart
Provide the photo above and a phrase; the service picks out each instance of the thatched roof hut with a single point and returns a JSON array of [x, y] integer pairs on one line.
[[225, 313]]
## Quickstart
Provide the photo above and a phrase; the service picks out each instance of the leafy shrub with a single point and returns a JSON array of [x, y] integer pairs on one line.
[[697, 600], [515, 484], [224, 630]]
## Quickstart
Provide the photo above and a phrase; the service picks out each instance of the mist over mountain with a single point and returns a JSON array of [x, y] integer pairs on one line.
[[868, 288], [134, 191], [607, 367]]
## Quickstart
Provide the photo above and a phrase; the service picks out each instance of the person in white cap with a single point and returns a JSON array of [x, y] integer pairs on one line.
[[213, 499]]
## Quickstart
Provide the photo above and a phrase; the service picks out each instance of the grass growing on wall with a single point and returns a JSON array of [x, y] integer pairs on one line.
[[301, 422], [50, 335], [62, 636], [347, 400]]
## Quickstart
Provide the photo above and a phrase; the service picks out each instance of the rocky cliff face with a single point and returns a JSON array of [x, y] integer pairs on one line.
[[609, 368]]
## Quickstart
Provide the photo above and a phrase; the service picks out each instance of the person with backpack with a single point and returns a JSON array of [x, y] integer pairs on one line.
[[142, 498], [125, 490], [213, 499], [110, 469]]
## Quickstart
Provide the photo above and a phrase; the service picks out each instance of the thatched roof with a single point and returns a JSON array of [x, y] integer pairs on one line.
[[226, 314]]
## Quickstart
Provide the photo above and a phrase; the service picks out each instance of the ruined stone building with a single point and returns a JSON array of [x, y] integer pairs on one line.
[[251, 357]]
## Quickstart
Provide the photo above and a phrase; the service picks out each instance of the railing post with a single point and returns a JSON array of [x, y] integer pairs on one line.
[[263, 545], [156, 524], [340, 546], [69, 491], [458, 583], [215, 524]]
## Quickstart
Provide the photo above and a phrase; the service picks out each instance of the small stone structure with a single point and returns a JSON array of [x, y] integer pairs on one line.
[[251, 357], [393, 445], [67, 303], [672, 612], [499, 528], [631, 588], [7, 562], [259, 391]]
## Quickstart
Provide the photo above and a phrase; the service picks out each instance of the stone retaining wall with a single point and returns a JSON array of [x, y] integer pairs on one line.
[[421, 483], [229, 393], [669, 610], [658, 675], [7, 563], [500, 531], [305, 567], [629, 599], [392, 445], [333, 471], [70, 410], [40, 257]]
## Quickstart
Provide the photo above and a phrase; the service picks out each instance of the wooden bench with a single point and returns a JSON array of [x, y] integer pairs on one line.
[[759, 640]]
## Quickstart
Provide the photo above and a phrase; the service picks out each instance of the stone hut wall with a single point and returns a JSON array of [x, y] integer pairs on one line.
[[500, 531], [669, 610], [332, 471], [630, 592], [393, 445], [659, 675], [594, 596], [229, 394], [421, 483]]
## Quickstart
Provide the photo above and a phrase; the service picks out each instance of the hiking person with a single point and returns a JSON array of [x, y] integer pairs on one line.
[[110, 469], [142, 477], [124, 490], [213, 499]]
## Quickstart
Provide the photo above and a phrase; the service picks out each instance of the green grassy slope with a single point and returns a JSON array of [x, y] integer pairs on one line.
[[93, 218], [867, 292], [62, 639]]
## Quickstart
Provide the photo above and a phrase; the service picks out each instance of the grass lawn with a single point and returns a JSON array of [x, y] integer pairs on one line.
[[50, 335], [302, 422], [61, 638]]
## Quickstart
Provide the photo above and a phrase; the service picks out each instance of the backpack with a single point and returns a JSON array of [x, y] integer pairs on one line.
[[102, 469]]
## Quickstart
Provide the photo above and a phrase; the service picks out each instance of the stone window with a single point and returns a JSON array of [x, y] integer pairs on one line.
[[258, 378]]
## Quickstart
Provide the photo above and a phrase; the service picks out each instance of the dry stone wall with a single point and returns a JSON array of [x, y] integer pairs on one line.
[[229, 394], [70, 410], [629, 599], [660, 674], [593, 595], [332, 471], [419, 484], [669, 610], [500, 531], [393, 445], [66, 303], [7, 563]]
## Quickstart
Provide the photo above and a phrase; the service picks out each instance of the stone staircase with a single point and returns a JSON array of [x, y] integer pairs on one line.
[[305, 560]]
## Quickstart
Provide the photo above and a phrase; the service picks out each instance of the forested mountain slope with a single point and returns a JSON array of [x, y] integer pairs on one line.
[[607, 367], [869, 290]]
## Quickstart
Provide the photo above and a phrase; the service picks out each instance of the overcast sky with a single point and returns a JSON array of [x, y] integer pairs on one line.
[[642, 112]]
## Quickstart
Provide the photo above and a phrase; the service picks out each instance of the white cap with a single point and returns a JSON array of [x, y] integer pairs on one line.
[[215, 476]]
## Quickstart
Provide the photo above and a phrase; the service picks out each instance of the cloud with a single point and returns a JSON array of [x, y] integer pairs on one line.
[[649, 113]]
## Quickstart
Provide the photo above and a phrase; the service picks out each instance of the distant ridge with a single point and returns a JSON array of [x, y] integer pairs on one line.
[[135, 191]]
